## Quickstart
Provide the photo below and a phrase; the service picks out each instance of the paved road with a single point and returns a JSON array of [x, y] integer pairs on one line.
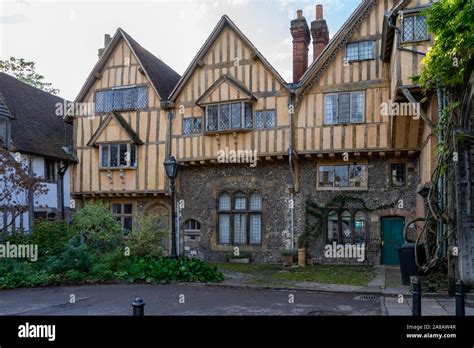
[[116, 299]]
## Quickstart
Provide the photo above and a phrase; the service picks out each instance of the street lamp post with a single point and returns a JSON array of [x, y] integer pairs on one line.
[[172, 168]]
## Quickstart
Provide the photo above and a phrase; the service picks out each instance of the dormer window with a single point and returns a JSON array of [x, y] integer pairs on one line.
[[118, 155], [229, 116], [121, 98]]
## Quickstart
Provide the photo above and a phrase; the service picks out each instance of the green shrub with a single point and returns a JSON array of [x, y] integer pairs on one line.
[[51, 237], [147, 238], [75, 256], [97, 227]]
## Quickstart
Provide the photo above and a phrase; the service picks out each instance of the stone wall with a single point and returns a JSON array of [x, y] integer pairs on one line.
[[199, 187]]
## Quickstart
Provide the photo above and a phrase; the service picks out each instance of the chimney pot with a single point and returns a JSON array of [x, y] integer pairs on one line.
[[319, 32], [107, 39], [319, 12]]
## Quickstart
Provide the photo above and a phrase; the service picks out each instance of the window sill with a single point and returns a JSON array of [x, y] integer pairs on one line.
[[344, 123], [229, 131], [117, 168], [415, 41], [359, 60], [342, 188]]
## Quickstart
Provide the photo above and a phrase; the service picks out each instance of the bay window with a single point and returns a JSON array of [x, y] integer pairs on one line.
[[118, 155], [229, 116]]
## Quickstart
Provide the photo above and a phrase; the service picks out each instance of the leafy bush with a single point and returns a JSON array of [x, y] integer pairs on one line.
[[147, 238], [97, 227], [51, 236], [76, 257]]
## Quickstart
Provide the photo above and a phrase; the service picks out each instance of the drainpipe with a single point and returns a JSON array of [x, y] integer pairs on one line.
[[291, 108]]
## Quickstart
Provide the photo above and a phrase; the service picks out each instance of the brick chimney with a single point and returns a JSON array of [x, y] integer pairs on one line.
[[301, 39], [107, 40], [319, 32]]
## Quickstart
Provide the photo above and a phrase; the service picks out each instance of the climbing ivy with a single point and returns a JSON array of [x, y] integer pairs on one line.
[[316, 215]]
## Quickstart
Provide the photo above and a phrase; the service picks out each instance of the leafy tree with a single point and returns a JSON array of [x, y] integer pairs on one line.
[[450, 59], [17, 186], [25, 71]]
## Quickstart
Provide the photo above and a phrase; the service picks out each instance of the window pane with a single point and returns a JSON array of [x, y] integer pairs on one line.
[[357, 107], [236, 110], [117, 209], [141, 97], [366, 50], [420, 28], [105, 155], [326, 176], [270, 119], [352, 51], [330, 108], [128, 97], [224, 116], [224, 201], [260, 119], [224, 228], [341, 176], [109, 101], [99, 101], [197, 125], [398, 174], [359, 227], [187, 125], [240, 234], [408, 25], [114, 155], [248, 115], [333, 227], [118, 99], [255, 229], [122, 155], [127, 208], [346, 227], [240, 201], [255, 201], [357, 176], [212, 118], [344, 107], [127, 223], [133, 155]]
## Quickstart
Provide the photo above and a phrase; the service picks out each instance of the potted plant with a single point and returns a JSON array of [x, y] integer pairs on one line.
[[241, 258], [302, 251], [288, 256]]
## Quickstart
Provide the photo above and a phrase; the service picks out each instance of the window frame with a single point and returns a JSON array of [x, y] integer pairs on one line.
[[404, 176], [122, 214], [265, 118], [413, 15], [121, 88], [133, 165], [340, 239], [193, 129], [342, 188], [358, 43], [53, 177], [233, 212], [243, 122], [351, 121]]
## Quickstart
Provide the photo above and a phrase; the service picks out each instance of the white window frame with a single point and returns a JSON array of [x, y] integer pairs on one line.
[[129, 163]]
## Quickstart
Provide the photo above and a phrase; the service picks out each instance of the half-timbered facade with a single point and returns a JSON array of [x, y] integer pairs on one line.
[[122, 143], [254, 148]]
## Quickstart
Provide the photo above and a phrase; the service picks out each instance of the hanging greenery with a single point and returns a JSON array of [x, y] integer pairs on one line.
[[316, 215]]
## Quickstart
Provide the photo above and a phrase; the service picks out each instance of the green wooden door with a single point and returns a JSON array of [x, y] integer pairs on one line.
[[392, 234]]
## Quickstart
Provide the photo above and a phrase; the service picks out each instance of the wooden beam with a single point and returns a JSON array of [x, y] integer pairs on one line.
[[201, 63], [412, 100], [268, 158], [320, 155], [382, 154], [398, 153], [280, 157]]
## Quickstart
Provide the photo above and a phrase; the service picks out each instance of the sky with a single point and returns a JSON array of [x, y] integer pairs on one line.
[[62, 37]]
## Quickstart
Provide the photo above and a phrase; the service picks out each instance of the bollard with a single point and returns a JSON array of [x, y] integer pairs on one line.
[[138, 307], [416, 297], [459, 295]]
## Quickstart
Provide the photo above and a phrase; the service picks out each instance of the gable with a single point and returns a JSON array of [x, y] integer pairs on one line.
[[227, 51], [365, 23], [123, 52], [114, 128], [225, 86]]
